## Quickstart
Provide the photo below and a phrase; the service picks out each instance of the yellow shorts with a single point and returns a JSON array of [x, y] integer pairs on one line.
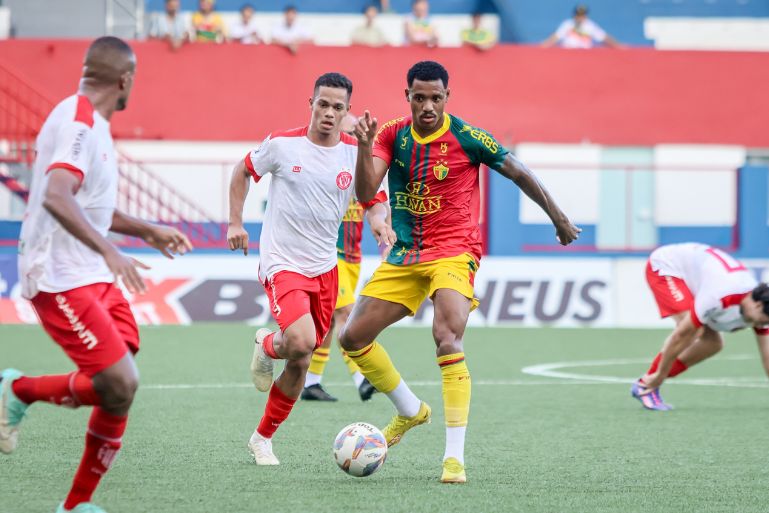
[[348, 282], [410, 285]]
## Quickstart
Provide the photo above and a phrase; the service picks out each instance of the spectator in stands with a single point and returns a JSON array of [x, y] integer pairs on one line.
[[207, 25], [369, 34], [384, 5], [419, 27], [169, 26], [244, 29], [580, 32], [290, 32], [477, 36]]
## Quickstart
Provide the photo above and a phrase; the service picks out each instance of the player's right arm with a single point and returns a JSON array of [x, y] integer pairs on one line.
[[60, 202], [255, 165], [683, 336], [369, 170], [237, 236]]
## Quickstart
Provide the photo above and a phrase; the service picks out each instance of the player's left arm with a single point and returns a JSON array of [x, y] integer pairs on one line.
[[763, 348], [166, 239], [525, 179]]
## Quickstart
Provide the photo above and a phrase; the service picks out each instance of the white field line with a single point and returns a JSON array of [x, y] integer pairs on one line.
[[552, 370], [545, 370]]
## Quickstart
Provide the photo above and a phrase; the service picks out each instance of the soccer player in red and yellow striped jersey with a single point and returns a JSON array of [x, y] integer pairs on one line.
[[433, 160]]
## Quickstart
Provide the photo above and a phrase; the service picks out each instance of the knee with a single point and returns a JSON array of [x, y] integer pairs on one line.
[[118, 392], [299, 345], [350, 341], [447, 340]]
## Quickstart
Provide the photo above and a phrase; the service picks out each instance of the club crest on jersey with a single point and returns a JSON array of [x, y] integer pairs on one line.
[[444, 148], [296, 169], [344, 179], [441, 170]]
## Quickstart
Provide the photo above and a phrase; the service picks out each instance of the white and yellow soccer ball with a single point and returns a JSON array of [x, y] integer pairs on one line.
[[360, 449]]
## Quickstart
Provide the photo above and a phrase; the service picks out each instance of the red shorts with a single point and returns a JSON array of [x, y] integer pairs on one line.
[[671, 293], [93, 324], [293, 295]]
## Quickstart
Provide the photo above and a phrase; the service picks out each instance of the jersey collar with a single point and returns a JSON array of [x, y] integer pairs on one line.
[[435, 135]]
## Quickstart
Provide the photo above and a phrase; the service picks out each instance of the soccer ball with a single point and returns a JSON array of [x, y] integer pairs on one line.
[[360, 449]]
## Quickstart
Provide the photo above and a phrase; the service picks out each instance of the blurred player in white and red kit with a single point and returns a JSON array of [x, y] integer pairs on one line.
[[706, 291], [312, 176], [68, 268]]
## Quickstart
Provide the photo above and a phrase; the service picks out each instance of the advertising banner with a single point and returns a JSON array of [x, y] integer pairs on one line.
[[560, 292]]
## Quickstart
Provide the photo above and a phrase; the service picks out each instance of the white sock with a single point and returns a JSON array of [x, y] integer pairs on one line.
[[404, 400], [357, 378], [455, 443], [312, 379], [256, 437]]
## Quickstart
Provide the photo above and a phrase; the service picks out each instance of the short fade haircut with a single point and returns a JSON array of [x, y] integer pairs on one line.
[[761, 293], [427, 71], [110, 44], [333, 80]]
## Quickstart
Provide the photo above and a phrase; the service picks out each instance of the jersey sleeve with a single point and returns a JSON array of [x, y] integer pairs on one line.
[[481, 147], [563, 29], [383, 142], [262, 160], [597, 33], [75, 146], [380, 197]]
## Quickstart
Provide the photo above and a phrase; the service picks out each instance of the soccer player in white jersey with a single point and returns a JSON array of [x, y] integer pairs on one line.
[[68, 269], [706, 291], [311, 186]]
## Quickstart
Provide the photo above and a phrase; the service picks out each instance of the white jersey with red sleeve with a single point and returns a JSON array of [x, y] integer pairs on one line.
[[717, 280], [310, 191], [76, 138]]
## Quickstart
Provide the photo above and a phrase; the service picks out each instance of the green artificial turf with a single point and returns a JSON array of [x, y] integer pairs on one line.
[[534, 444]]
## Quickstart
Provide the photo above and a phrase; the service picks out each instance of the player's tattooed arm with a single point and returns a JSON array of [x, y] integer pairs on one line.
[[369, 171], [522, 176], [60, 202], [166, 239], [237, 236]]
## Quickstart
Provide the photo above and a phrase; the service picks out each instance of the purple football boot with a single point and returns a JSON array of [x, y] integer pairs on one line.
[[652, 401]]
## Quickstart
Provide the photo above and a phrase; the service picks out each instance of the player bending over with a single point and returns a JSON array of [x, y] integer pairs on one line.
[[312, 175], [433, 160], [348, 267], [706, 291], [68, 269]]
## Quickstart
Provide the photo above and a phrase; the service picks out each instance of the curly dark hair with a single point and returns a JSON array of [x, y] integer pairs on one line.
[[427, 71]]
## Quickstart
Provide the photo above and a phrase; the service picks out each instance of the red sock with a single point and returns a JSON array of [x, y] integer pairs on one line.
[[73, 390], [102, 443], [269, 346], [677, 368], [275, 412], [655, 364]]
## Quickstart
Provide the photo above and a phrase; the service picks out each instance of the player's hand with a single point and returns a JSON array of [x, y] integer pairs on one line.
[[566, 232], [125, 269], [169, 241], [237, 238], [651, 382], [365, 129], [384, 234]]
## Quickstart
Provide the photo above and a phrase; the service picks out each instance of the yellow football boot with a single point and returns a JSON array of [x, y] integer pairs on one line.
[[399, 424], [453, 471]]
